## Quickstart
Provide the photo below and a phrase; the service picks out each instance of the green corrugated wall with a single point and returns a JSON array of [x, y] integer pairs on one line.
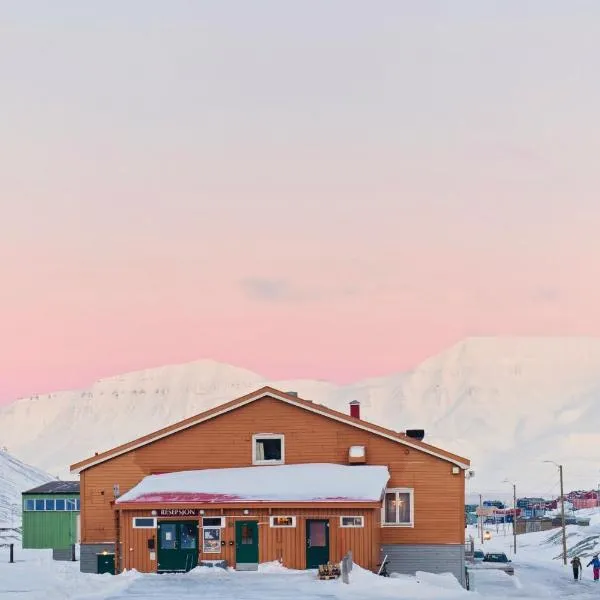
[[49, 529]]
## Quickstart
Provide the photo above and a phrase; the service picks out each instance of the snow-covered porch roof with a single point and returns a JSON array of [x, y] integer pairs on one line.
[[285, 483]]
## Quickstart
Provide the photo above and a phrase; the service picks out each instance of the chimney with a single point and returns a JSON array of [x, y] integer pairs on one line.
[[355, 409]]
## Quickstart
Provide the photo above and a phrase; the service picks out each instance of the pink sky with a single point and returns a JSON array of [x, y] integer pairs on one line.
[[371, 192]]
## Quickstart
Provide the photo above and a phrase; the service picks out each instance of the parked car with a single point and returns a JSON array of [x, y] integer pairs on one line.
[[478, 555], [496, 557], [498, 560]]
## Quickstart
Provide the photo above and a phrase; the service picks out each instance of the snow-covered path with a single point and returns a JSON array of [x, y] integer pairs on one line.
[[236, 586], [534, 581]]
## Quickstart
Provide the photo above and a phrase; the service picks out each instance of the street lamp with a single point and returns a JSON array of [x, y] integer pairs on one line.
[[562, 509], [514, 485]]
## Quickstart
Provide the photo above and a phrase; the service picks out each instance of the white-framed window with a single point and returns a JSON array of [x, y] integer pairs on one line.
[[268, 449], [358, 521], [29, 504], [282, 521], [144, 522], [398, 508], [213, 522]]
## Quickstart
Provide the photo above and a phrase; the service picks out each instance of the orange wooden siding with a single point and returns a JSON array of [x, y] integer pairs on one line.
[[226, 441], [287, 545]]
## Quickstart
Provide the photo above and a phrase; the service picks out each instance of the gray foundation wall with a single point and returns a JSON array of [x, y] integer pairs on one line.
[[408, 559], [88, 556], [63, 554]]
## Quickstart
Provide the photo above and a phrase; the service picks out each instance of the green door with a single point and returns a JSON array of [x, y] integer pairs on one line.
[[317, 543], [177, 546], [106, 564], [246, 543]]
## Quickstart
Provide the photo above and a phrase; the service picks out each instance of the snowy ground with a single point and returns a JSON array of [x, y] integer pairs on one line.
[[537, 575]]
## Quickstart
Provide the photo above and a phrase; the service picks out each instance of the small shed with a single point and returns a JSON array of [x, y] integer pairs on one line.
[[51, 517]]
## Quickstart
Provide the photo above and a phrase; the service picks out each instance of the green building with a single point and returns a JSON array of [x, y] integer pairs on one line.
[[51, 517]]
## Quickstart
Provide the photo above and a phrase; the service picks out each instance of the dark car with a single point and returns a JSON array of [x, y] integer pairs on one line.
[[498, 560], [496, 557], [478, 555]]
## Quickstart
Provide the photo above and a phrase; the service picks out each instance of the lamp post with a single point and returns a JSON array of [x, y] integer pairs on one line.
[[562, 509], [514, 486]]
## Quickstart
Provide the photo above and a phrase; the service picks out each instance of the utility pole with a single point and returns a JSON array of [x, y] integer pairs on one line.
[[515, 518], [562, 510], [481, 517], [562, 515]]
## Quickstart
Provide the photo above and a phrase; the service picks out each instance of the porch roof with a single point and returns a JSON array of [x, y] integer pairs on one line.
[[284, 483]]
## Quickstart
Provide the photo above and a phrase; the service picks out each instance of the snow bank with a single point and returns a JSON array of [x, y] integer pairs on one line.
[[285, 483], [446, 581], [365, 584], [275, 567]]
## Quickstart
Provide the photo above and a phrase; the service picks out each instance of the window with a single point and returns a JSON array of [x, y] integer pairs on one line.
[[352, 521], [144, 523], [282, 521], [168, 536], [268, 449], [40, 505], [29, 505], [49, 504], [189, 534], [60, 504], [77, 504], [213, 522], [71, 504], [398, 507]]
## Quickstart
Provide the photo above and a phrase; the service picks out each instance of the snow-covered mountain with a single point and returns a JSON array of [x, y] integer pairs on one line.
[[16, 477], [506, 403]]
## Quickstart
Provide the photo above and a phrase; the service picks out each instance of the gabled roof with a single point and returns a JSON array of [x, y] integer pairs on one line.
[[56, 487], [293, 400]]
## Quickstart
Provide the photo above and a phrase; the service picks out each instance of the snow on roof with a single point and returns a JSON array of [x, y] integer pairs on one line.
[[285, 483]]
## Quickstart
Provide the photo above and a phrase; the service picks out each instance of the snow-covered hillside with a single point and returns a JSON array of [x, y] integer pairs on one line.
[[506, 403], [16, 477]]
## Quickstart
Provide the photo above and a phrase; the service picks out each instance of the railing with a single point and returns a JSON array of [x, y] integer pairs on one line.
[[470, 549]]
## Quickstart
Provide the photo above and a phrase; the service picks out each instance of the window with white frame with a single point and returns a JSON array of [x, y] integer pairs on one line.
[[398, 507], [352, 521], [278, 521], [268, 449], [144, 523], [213, 522]]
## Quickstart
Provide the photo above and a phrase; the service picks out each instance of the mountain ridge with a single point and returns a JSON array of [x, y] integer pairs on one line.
[[15, 478], [489, 399]]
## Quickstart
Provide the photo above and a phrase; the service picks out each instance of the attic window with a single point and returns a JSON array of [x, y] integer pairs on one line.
[[268, 449]]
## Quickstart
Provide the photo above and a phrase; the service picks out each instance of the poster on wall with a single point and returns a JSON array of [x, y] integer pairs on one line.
[[212, 539]]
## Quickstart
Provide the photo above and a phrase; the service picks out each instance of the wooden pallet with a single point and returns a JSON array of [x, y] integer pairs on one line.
[[329, 571]]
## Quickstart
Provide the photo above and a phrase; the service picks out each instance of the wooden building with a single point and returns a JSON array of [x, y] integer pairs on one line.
[[270, 476], [51, 517]]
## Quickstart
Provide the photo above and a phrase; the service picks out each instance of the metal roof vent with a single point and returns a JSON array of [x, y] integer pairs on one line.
[[415, 434]]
